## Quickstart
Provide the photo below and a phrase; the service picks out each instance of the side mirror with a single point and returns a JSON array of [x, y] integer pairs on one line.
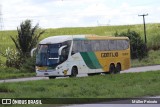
[[32, 51], [60, 49]]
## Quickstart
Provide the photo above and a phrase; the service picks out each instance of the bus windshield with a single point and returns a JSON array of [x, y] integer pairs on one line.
[[47, 55]]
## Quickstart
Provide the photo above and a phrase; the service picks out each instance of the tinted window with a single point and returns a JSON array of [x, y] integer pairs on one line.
[[112, 44], [86, 46], [95, 44], [104, 45], [76, 46], [99, 45]]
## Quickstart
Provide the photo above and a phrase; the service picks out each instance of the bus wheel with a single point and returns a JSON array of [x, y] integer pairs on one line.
[[74, 72], [112, 69], [52, 77], [118, 68]]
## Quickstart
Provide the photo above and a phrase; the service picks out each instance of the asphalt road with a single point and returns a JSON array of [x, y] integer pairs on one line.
[[143, 69], [132, 70]]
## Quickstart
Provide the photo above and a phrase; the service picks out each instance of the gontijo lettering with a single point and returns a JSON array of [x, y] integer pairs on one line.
[[110, 54]]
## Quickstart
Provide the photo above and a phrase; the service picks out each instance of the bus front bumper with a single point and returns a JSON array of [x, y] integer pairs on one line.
[[48, 73]]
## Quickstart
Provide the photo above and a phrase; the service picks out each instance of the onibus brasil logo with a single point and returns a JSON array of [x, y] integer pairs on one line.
[[20, 101]]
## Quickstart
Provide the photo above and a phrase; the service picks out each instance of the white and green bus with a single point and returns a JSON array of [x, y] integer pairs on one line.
[[69, 55]]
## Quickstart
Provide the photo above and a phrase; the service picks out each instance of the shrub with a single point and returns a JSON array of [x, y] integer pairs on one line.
[[1, 64], [29, 65], [155, 44], [13, 58], [137, 46]]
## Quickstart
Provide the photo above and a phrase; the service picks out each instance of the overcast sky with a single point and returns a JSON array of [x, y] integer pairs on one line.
[[76, 13]]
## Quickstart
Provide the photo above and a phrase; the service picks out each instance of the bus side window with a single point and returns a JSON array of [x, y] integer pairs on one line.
[[76, 47], [86, 46], [64, 55], [112, 44], [120, 45], [104, 45], [95, 44], [126, 44]]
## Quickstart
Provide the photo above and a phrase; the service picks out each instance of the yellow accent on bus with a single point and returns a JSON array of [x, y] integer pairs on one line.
[[41, 68], [95, 37], [105, 58]]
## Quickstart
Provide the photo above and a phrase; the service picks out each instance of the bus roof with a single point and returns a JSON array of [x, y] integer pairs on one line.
[[95, 37], [62, 38]]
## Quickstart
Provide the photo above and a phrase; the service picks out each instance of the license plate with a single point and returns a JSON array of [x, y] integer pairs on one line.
[[46, 74]]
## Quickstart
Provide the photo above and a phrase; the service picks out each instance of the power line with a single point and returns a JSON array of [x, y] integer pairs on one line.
[[62, 15]]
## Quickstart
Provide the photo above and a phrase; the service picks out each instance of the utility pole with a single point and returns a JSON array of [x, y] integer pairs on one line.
[[144, 26]]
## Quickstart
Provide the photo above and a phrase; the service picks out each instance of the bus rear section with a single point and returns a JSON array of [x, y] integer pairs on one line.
[[103, 54]]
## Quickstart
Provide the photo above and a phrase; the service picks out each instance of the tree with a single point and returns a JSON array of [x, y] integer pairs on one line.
[[137, 46], [25, 41], [27, 38]]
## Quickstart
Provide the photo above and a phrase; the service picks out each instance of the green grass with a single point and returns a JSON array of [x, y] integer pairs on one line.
[[152, 59], [15, 75], [125, 85], [6, 73], [152, 33]]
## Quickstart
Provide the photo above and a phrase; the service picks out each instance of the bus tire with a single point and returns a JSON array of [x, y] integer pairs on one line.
[[52, 77], [118, 68], [112, 69], [74, 72]]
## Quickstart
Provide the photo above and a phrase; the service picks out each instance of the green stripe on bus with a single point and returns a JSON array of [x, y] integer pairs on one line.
[[87, 60], [91, 60], [94, 60]]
